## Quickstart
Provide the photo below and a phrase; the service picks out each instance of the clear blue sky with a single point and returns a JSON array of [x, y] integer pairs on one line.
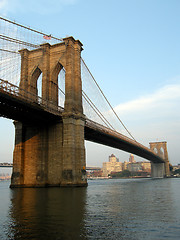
[[132, 48]]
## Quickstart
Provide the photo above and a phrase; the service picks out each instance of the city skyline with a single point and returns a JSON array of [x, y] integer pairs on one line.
[[132, 49], [116, 166]]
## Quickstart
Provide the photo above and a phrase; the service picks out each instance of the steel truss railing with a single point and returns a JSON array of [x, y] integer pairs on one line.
[[22, 94]]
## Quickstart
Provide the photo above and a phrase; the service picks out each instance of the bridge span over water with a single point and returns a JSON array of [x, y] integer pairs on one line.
[[24, 109], [49, 138]]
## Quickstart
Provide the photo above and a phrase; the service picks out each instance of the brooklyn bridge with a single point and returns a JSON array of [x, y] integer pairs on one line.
[[56, 104]]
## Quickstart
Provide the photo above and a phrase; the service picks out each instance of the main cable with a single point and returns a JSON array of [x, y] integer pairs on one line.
[[107, 101], [28, 28]]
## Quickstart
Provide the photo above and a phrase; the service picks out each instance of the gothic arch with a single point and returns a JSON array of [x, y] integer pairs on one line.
[[56, 72], [54, 85], [160, 148], [33, 80], [162, 151], [155, 150]]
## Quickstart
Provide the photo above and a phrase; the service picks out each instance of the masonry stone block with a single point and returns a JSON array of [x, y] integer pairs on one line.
[[51, 154], [160, 148]]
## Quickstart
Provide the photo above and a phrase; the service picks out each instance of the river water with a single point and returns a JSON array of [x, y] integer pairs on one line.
[[107, 209]]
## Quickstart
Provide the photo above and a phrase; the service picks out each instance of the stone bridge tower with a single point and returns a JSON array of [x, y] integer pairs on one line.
[[160, 169], [51, 154]]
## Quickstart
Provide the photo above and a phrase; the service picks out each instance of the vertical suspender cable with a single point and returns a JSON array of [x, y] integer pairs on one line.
[[107, 100]]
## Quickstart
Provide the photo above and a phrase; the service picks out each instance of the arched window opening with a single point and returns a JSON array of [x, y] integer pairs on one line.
[[39, 86], [155, 150], [162, 152], [58, 85], [36, 84], [61, 88]]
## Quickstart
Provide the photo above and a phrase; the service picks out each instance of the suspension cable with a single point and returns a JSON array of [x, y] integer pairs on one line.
[[61, 90], [5, 50], [92, 106], [97, 110], [107, 100], [59, 39], [14, 40], [28, 28]]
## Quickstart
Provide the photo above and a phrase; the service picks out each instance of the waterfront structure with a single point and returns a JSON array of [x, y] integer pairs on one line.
[[146, 166], [5, 176], [6, 165], [125, 164], [51, 153], [139, 166], [157, 170], [114, 166], [134, 167], [131, 158], [49, 139], [176, 167], [113, 159]]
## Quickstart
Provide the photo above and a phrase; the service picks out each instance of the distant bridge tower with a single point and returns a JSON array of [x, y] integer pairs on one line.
[[51, 154], [160, 169]]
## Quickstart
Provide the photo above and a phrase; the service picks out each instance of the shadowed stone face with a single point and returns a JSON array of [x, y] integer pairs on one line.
[[52, 154]]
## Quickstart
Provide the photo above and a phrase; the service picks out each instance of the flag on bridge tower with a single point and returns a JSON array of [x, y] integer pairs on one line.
[[47, 37]]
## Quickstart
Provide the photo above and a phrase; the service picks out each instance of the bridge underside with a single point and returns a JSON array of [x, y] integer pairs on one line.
[[115, 142], [24, 111], [36, 131], [49, 141], [31, 112]]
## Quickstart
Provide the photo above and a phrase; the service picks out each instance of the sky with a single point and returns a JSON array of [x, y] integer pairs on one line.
[[132, 48]]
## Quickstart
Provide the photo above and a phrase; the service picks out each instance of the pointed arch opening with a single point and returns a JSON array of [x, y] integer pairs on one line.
[[155, 150], [39, 86], [162, 152], [61, 87], [58, 85], [36, 83]]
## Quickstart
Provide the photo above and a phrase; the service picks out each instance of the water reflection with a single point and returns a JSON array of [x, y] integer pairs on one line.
[[54, 213], [113, 209]]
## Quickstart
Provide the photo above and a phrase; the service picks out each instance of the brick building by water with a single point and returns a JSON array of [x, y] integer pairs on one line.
[[115, 166]]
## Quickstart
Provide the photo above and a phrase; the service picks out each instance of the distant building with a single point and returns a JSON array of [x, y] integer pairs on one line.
[[115, 166], [4, 176], [146, 166], [176, 167], [139, 167], [131, 159], [125, 164], [113, 158], [94, 173], [134, 167], [112, 166]]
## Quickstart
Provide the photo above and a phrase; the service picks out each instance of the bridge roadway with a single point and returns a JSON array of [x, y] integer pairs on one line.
[[14, 105], [87, 168], [6, 165]]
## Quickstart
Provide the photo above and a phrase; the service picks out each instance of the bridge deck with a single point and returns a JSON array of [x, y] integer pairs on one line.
[[14, 105], [99, 134], [6, 165]]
